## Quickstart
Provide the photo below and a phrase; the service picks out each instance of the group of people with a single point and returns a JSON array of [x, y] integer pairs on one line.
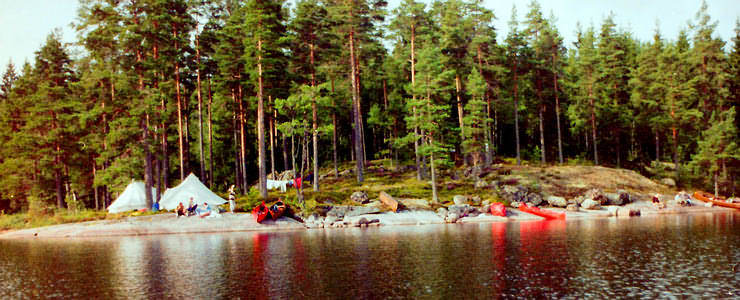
[[193, 209]]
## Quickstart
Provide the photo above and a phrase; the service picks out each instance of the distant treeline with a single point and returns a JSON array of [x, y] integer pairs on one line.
[[235, 90]]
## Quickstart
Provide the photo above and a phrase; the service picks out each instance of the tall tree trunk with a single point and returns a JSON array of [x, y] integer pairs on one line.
[[210, 135], [272, 140], [315, 131], [334, 132], [413, 95], [356, 103], [460, 112], [516, 115], [292, 153], [144, 122], [543, 160], [180, 129], [557, 109], [593, 125], [242, 137], [200, 115], [237, 142], [261, 124]]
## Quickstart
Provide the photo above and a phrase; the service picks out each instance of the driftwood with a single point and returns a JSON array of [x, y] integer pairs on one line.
[[388, 201]]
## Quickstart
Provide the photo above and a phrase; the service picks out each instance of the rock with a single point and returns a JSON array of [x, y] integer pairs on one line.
[[459, 199], [514, 193], [345, 173], [473, 212], [485, 202], [481, 184], [624, 212], [668, 181], [312, 218], [534, 198], [360, 222], [329, 220], [476, 200], [353, 211], [452, 218], [708, 204], [473, 172], [597, 195], [360, 197], [442, 212], [514, 204], [337, 212], [388, 201], [458, 210], [557, 201], [572, 207], [590, 204], [578, 200], [486, 208]]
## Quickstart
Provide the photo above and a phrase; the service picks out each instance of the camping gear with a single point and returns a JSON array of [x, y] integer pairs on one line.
[[277, 210], [707, 197], [550, 215], [498, 209], [260, 212], [132, 198], [190, 187]]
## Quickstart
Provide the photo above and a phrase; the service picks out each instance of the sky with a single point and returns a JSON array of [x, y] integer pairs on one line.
[[25, 24]]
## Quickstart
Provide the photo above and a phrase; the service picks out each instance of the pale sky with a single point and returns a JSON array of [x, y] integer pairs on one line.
[[25, 24]]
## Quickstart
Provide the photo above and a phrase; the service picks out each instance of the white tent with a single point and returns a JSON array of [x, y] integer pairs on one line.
[[190, 187], [133, 197]]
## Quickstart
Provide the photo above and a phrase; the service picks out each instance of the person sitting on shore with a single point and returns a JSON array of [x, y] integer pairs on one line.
[[180, 210], [232, 198], [656, 201], [205, 211], [192, 207]]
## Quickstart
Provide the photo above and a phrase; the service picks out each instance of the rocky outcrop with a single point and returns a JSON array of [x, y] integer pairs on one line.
[[557, 201], [360, 197], [596, 195], [590, 204], [572, 207], [668, 181]]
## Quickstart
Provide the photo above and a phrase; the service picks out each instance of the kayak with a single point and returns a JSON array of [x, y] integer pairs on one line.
[[260, 212], [550, 215], [277, 210], [498, 209], [707, 197]]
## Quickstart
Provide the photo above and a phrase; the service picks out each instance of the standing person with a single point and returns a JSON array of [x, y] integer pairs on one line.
[[232, 198]]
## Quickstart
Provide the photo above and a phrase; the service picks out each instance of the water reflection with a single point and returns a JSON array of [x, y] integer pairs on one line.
[[653, 257]]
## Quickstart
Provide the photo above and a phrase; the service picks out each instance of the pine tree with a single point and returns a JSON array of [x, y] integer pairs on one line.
[[585, 76], [718, 147], [9, 77], [475, 121], [518, 55]]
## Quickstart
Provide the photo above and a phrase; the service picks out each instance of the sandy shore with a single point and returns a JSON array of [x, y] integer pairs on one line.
[[171, 224]]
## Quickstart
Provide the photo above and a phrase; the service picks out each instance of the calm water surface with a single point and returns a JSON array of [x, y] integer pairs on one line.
[[648, 257]]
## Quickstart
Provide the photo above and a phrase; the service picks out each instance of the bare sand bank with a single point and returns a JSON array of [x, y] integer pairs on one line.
[[171, 224]]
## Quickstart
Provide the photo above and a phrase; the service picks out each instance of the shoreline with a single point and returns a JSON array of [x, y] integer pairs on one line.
[[244, 222]]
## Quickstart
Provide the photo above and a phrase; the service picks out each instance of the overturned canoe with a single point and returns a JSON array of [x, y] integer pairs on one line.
[[260, 212], [707, 197], [498, 209], [550, 215]]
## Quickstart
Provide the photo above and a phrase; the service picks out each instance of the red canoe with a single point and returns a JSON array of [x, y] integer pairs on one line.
[[277, 210], [498, 209], [550, 215], [707, 197], [260, 212]]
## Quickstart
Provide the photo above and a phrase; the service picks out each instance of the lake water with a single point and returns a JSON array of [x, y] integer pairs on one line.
[[647, 257]]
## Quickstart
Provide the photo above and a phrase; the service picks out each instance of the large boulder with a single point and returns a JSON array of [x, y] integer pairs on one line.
[[359, 197], [596, 195], [572, 207], [591, 204], [459, 199], [353, 211], [621, 197], [557, 201], [452, 218], [514, 193]]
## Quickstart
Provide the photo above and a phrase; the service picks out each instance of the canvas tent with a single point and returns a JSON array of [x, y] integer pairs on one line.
[[190, 187], [132, 198]]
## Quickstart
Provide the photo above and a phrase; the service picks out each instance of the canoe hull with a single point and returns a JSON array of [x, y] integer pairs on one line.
[[260, 212], [550, 215], [707, 197], [277, 210]]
